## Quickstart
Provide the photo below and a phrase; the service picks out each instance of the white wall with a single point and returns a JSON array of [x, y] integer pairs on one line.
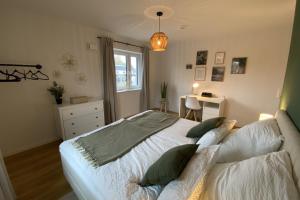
[[247, 95], [27, 117]]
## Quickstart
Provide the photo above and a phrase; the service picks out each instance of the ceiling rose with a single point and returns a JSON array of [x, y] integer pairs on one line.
[[151, 12]]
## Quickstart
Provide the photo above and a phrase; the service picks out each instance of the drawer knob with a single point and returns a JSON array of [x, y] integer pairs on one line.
[[74, 133], [96, 108], [96, 117], [73, 123], [71, 113], [97, 125]]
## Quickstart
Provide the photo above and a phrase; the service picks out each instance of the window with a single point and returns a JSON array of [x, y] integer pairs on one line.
[[128, 70]]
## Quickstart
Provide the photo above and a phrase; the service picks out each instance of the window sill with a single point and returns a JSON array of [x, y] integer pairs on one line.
[[129, 90]]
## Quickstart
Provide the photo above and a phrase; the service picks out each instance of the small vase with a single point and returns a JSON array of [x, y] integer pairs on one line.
[[59, 100]]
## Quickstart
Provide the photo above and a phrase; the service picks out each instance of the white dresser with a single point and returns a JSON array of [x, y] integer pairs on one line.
[[76, 119]]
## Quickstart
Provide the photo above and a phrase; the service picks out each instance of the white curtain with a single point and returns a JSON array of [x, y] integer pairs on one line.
[[6, 189]]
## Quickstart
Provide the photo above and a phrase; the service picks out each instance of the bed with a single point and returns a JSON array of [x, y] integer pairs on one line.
[[119, 179], [91, 183]]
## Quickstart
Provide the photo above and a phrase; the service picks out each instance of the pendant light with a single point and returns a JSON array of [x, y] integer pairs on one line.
[[159, 40]]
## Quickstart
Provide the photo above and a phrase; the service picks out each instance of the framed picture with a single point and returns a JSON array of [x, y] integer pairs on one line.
[[200, 73], [201, 58], [189, 66], [218, 74], [238, 65], [220, 58]]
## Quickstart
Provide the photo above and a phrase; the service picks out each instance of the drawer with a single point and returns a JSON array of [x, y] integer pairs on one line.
[[71, 132], [84, 119], [211, 110], [80, 110]]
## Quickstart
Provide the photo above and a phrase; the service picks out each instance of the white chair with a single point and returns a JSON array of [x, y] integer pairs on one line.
[[193, 104]]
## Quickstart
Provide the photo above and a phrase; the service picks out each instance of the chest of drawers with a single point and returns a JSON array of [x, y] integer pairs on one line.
[[74, 120]]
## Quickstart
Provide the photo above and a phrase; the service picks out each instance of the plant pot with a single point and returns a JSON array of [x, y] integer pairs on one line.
[[163, 99], [59, 100]]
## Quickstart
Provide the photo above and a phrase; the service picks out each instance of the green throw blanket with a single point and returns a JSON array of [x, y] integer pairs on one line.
[[114, 141]]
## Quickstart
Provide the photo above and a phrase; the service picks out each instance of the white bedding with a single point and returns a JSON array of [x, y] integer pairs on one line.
[[257, 138], [119, 179], [267, 177]]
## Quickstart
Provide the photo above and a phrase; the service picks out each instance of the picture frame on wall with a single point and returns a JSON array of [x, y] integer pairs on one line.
[[189, 66], [201, 58], [218, 74], [220, 58], [238, 65], [200, 73]]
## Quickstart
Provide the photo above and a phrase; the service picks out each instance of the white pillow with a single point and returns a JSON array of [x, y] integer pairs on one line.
[[195, 170], [267, 177], [255, 139], [214, 136]]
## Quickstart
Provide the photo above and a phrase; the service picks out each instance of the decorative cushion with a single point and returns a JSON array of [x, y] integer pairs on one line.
[[214, 136], [255, 139], [199, 130], [169, 166], [195, 170], [267, 177]]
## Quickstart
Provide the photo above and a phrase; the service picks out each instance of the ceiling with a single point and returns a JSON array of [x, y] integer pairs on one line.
[[190, 18]]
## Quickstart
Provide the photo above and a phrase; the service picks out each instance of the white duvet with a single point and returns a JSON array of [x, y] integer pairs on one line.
[[119, 179]]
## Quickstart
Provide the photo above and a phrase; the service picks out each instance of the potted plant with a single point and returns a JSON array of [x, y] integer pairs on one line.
[[163, 91], [57, 91]]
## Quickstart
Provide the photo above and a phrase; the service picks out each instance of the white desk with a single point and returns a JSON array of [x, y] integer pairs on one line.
[[212, 106]]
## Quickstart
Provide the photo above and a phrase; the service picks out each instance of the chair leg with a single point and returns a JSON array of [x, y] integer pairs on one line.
[[195, 116], [188, 114]]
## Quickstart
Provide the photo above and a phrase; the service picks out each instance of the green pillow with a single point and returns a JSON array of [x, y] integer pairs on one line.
[[169, 166], [202, 128]]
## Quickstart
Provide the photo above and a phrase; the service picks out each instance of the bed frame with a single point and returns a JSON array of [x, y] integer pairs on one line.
[[82, 193]]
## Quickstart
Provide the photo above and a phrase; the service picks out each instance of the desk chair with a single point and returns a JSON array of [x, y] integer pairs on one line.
[[193, 104]]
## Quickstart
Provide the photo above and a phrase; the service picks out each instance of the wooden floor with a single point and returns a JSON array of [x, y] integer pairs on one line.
[[37, 173]]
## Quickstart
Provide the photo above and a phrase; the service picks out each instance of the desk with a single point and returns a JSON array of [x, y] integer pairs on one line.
[[212, 106]]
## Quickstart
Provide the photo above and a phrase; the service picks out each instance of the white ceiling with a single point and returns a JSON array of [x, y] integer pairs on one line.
[[200, 17]]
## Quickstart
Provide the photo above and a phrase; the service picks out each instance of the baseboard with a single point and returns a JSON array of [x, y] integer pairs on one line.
[[31, 146], [169, 111]]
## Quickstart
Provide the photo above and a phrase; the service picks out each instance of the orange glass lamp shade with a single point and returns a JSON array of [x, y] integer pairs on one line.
[[159, 41]]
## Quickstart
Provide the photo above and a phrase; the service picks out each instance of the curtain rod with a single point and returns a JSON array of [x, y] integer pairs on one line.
[[125, 43]]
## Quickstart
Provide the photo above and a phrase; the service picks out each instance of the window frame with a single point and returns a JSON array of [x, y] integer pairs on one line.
[[128, 55]]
